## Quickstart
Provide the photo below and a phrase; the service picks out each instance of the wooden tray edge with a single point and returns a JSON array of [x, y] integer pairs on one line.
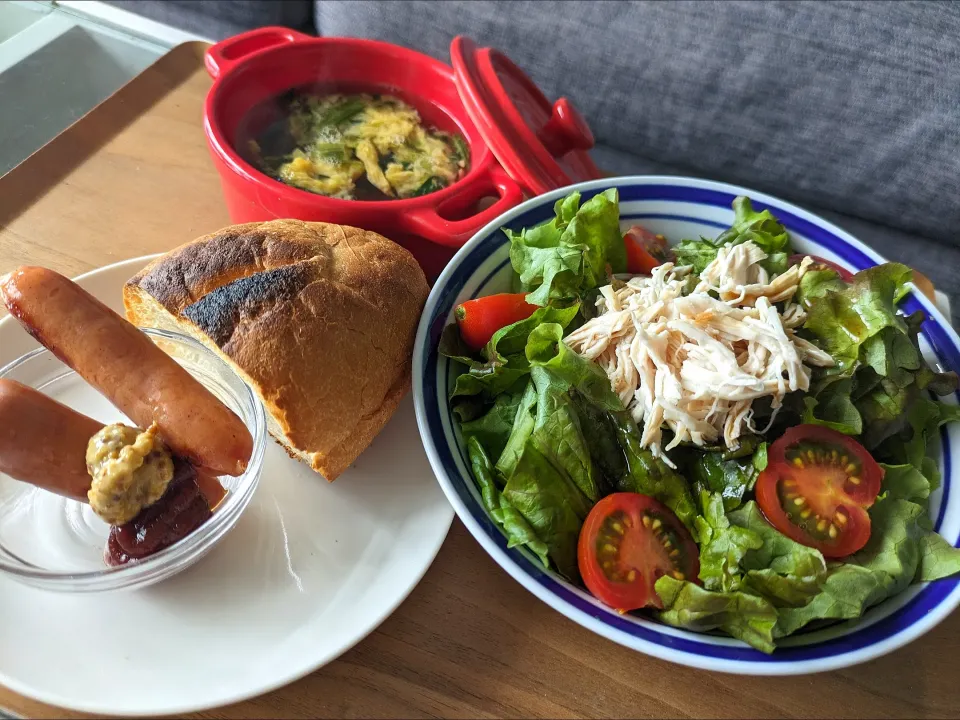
[[29, 180]]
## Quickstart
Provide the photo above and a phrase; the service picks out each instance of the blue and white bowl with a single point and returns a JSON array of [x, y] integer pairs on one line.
[[678, 208]]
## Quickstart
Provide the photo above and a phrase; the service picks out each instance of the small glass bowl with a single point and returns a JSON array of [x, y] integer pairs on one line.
[[55, 543]]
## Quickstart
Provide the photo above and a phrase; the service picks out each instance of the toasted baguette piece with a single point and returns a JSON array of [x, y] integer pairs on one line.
[[319, 319]]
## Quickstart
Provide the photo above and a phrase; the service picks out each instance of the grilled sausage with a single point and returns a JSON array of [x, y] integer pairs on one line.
[[128, 368], [43, 442]]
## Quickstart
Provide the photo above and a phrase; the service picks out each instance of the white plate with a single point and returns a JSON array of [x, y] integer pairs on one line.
[[310, 569]]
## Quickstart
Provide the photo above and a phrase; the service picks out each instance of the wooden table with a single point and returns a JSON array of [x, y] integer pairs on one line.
[[134, 177]]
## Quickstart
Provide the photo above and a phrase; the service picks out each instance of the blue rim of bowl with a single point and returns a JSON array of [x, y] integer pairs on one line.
[[929, 605]]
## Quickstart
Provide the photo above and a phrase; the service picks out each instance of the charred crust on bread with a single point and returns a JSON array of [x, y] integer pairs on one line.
[[191, 271], [218, 313]]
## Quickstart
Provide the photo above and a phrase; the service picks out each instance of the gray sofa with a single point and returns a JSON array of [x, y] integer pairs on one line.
[[850, 109]]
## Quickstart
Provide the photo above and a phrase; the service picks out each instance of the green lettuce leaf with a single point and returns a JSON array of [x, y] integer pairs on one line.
[[502, 362], [722, 546], [841, 321], [494, 428], [560, 439], [600, 428], [948, 413], [522, 427], [512, 339], [563, 258], [698, 253], [816, 283], [551, 503], [882, 374], [731, 477], [746, 617], [938, 559], [651, 476], [831, 405], [762, 228], [904, 482], [891, 354], [517, 529], [785, 572], [546, 349], [909, 447], [884, 568]]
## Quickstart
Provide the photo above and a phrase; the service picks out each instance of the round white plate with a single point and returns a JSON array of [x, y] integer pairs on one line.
[[309, 570]]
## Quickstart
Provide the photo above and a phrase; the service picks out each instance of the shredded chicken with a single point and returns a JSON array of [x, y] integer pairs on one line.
[[694, 363]]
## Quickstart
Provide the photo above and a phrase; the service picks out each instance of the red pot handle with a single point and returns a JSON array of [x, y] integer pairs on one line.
[[428, 223], [225, 54]]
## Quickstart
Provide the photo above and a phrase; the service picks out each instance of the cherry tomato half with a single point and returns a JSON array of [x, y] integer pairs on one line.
[[479, 319], [645, 251], [627, 543], [817, 487], [823, 264]]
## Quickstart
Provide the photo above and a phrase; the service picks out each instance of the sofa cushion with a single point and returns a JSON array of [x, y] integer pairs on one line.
[[850, 106]]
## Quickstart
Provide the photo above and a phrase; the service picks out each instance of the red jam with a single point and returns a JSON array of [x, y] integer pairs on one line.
[[181, 510]]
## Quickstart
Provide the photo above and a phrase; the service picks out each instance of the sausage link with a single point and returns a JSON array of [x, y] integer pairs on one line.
[[43, 442], [121, 362]]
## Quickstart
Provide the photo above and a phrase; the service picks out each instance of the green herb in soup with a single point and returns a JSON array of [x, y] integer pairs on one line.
[[358, 147]]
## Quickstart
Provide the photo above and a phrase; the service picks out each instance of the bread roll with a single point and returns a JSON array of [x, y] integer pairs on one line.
[[318, 318]]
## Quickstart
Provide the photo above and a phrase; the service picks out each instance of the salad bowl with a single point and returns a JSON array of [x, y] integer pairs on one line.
[[680, 208]]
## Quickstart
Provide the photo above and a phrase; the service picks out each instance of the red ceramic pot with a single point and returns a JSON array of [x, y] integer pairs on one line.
[[252, 68]]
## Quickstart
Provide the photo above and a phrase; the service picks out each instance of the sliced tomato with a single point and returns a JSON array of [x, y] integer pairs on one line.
[[627, 543], [823, 264], [645, 251], [817, 487], [479, 319]]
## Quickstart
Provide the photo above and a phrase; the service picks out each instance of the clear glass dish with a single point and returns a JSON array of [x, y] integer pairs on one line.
[[54, 543]]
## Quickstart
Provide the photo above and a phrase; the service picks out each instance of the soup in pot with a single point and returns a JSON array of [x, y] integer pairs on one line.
[[357, 147]]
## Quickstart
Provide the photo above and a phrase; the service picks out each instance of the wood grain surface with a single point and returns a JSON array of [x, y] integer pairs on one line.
[[134, 177]]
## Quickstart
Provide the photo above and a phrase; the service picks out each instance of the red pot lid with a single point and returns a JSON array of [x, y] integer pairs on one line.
[[542, 146]]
